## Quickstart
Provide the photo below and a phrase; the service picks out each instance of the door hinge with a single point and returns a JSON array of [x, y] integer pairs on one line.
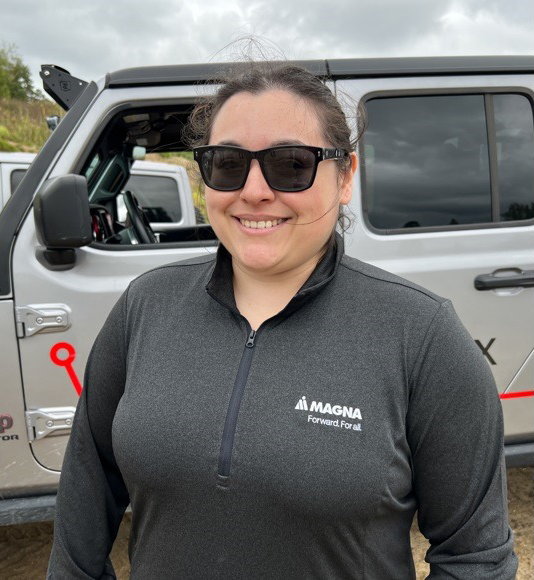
[[42, 423], [42, 318]]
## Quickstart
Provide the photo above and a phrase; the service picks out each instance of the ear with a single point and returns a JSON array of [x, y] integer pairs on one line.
[[348, 181]]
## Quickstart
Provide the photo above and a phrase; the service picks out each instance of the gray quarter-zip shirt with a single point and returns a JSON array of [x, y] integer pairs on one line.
[[302, 450]]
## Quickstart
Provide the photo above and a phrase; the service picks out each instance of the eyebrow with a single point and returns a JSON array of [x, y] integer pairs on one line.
[[275, 144]]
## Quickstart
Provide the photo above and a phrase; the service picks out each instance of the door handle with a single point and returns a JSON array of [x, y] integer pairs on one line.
[[523, 278]]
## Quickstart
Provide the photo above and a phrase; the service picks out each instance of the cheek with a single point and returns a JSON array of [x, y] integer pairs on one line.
[[209, 198], [327, 184], [325, 199], [215, 203]]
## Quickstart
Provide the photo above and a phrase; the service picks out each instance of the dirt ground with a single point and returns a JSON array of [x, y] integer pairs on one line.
[[24, 549]]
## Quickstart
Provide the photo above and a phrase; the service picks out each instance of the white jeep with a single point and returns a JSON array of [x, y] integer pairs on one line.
[[444, 197]]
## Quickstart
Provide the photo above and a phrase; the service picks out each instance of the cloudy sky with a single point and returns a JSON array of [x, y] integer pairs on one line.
[[92, 37]]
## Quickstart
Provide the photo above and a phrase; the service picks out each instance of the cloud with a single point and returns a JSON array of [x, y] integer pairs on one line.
[[397, 27], [345, 28], [489, 29], [90, 39]]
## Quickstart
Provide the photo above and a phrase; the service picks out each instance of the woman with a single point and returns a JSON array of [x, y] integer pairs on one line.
[[283, 410]]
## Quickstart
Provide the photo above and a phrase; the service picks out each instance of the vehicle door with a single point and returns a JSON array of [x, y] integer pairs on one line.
[[59, 313], [446, 200]]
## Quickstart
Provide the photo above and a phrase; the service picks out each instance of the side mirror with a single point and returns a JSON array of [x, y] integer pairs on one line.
[[62, 220]]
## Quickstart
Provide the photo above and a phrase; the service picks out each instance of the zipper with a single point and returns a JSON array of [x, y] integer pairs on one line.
[[227, 443]]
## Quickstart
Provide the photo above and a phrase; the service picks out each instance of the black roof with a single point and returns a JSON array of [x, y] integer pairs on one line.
[[334, 69]]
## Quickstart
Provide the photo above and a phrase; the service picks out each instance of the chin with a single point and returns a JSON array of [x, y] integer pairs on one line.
[[260, 259]]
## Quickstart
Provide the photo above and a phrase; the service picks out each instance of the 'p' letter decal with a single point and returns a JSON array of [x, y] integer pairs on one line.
[[6, 422]]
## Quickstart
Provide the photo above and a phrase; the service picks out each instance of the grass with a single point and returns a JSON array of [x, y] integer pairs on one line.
[[23, 128], [23, 124]]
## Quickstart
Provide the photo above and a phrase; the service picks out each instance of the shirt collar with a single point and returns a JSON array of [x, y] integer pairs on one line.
[[220, 285]]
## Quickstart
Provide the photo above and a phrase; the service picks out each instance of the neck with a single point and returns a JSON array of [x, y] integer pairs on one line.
[[261, 295]]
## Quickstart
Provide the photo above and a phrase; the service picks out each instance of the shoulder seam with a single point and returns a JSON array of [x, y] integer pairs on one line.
[[398, 283], [440, 309]]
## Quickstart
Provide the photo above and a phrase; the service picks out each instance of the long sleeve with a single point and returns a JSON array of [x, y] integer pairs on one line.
[[455, 432], [92, 496]]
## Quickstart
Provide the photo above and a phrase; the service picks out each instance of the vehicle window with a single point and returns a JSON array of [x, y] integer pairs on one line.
[[427, 160], [16, 178], [158, 196], [93, 164], [151, 135], [514, 130]]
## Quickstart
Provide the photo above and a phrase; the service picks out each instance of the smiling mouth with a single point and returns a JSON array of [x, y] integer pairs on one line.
[[261, 225]]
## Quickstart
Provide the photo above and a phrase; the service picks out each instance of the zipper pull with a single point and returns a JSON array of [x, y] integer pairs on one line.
[[250, 340]]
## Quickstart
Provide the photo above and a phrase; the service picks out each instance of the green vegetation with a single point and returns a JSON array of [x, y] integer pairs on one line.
[[170, 155], [23, 110], [23, 113], [23, 124], [15, 77]]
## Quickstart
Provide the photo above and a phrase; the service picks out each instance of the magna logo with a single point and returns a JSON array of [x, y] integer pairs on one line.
[[328, 409]]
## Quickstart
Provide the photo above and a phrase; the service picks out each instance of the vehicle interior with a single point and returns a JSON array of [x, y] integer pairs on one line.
[[153, 134]]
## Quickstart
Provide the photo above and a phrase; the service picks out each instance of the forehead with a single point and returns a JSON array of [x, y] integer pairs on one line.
[[256, 121]]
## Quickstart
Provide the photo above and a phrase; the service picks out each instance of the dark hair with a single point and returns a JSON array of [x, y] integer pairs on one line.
[[258, 77]]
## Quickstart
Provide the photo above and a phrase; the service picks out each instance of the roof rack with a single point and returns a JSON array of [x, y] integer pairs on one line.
[[335, 69]]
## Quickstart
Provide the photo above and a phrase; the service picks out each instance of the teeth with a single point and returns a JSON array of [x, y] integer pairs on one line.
[[261, 225]]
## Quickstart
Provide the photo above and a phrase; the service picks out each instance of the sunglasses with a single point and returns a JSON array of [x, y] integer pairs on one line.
[[288, 168]]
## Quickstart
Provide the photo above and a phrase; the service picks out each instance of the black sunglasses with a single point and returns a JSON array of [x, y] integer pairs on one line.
[[287, 168]]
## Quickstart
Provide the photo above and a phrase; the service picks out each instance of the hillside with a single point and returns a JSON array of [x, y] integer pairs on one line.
[[23, 124], [23, 128]]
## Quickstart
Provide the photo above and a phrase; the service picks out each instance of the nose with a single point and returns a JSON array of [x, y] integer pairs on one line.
[[256, 188]]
